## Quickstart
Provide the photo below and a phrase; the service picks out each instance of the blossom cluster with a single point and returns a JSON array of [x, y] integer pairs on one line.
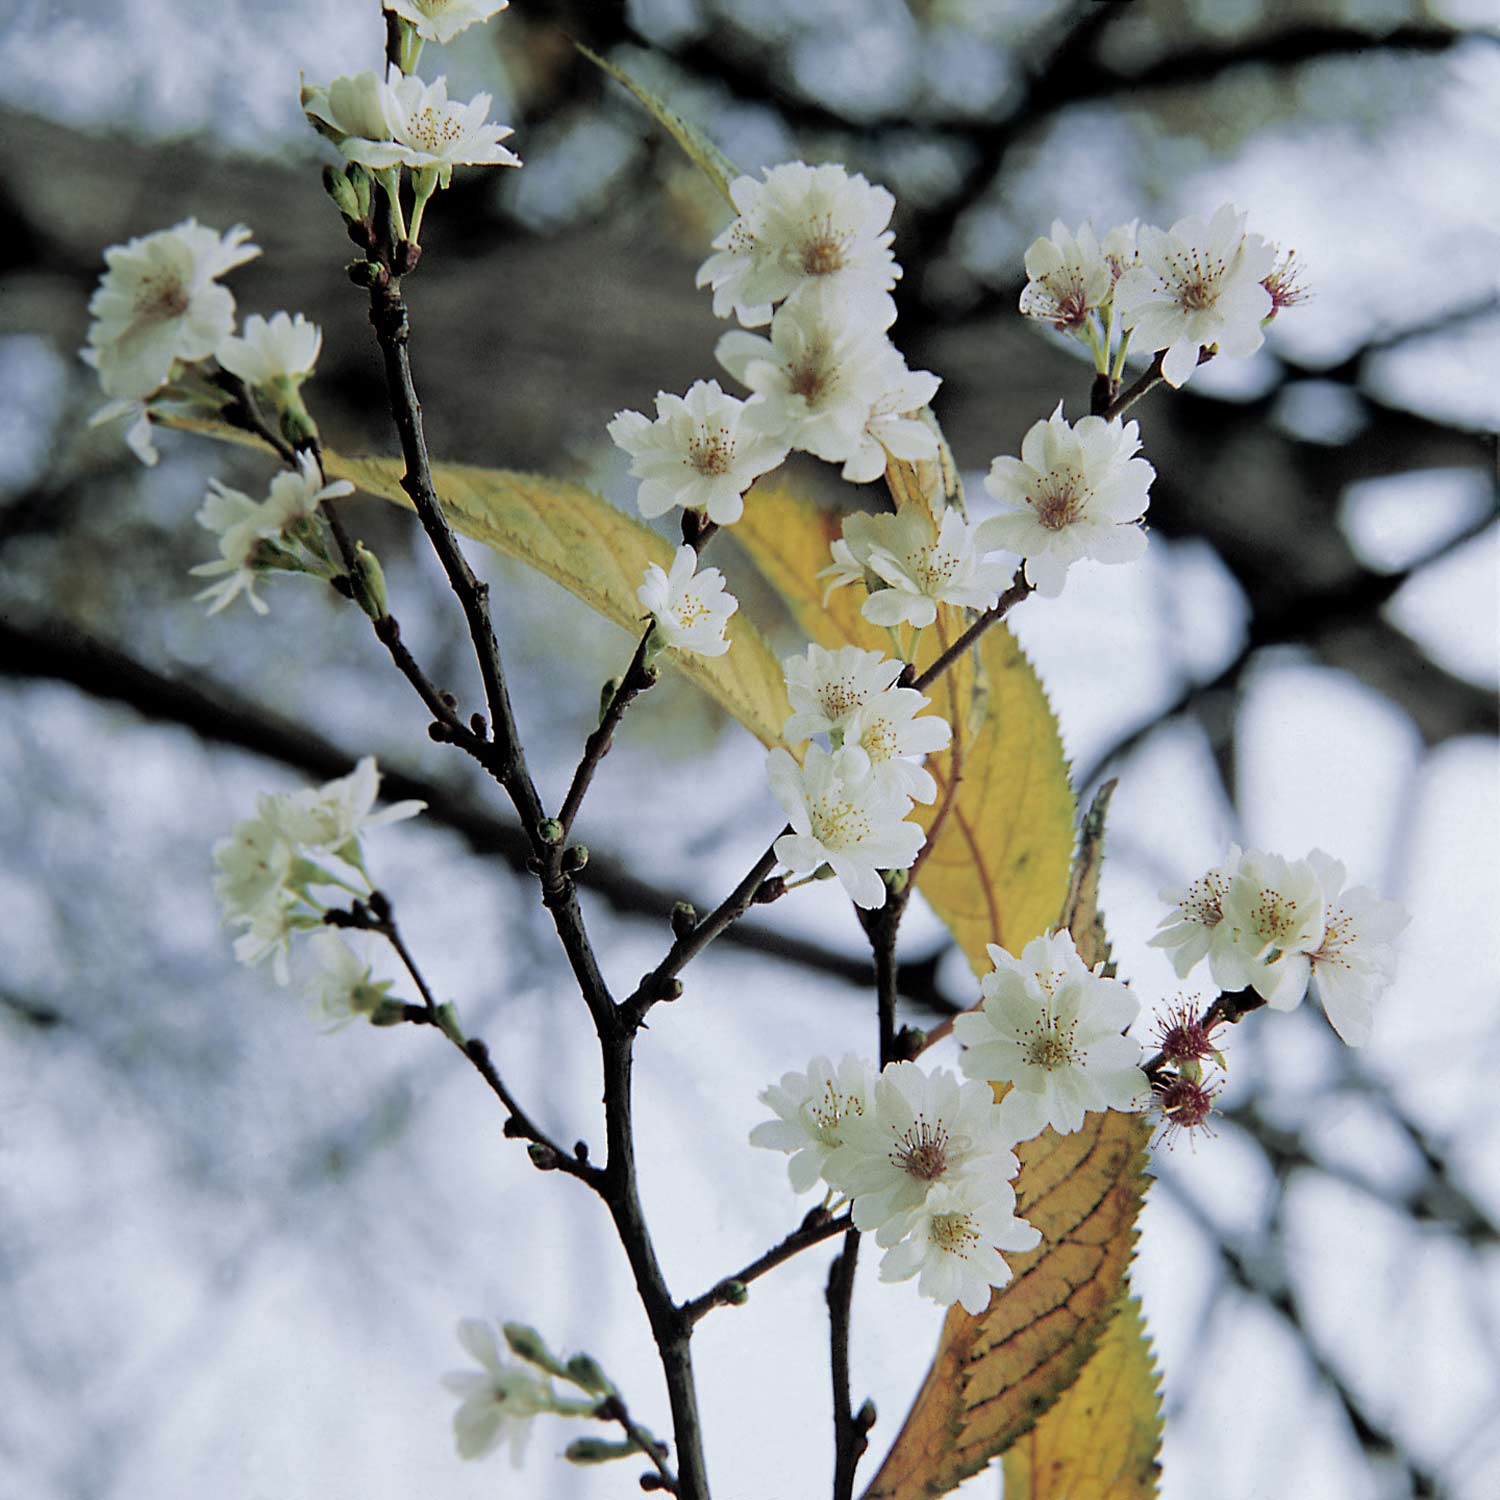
[[1281, 927], [1200, 285], [925, 1159], [848, 802], [271, 866]]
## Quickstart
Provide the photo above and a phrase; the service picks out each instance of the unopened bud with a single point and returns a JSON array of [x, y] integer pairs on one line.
[[597, 1451], [362, 184], [575, 858], [864, 1418], [734, 1292], [550, 831], [670, 989], [528, 1344], [543, 1157], [583, 1370], [388, 1013], [896, 880], [368, 580], [684, 919], [365, 273], [607, 696], [341, 190]]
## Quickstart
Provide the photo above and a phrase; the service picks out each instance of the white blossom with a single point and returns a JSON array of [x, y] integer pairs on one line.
[[341, 986], [1051, 1028], [330, 819], [1119, 248], [920, 1130], [1191, 928], [799, 228], [887, 728], [1194, 286], [699, 453], [1273, 919], [1076, 491], [816, 379], [1355, 960], [138, 436], [811, 1111], [1069, 277], [826, 687], [283, 348], [691, 609], [159, 302], [843, 816], [442, 20], [498, 1399], [921, 565], [429, 131], [358, 106], [254, 864], [268, 933], [892, 428], [952, 1243]]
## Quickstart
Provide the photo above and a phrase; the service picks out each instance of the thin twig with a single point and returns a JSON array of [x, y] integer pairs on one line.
[[818, 1226], [1148, 381], [850, 1437], [613, 1409], [1231, 1007], [997, 611], [638, 677]]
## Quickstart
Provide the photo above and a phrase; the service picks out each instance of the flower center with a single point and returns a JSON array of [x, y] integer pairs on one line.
[[922, 1151], [432, 132], [691, 611], [823, 256], [711, 451], [879, 740], [839, 822], [954, 1233], [934, 569], [808, 381], [1204, 901], [840, 698], [1050, 1046], [1196, 284], [830, 1110], [1061, 503], [161, 299], [1274, 917]]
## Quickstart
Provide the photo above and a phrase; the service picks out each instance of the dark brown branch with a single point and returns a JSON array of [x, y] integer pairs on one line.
[[638, 677], [850, 1434], [997, 611], [613, 1409], [818, 1226]]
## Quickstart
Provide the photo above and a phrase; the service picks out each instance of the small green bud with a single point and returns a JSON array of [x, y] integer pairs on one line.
[[575, 858], [597, 1451], [550, 831], [543, 1158], [1191, 1069], [341, 190], [583, 1370], [361, 183], [297, 425], [365, 273], [896, 880], [684, 918], [864, 1418], [526, 1343], [736, 1293], [368, 581], [607, 696], [388, 1013]]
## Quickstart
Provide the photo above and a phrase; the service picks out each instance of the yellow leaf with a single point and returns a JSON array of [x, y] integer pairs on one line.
[[996, 1374], [579, 540], [997, 872], [1101, 1439], [705, 155]]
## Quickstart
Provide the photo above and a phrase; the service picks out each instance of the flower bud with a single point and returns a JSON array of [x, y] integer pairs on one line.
[[388, 1013], [526, 1343], [365, 273], [550, 831], [583, 1370], [607, 696], [341, 190], [597, 1451], [363, 186], [368, 582], [575, 858], [684, 918], [736, 1293]]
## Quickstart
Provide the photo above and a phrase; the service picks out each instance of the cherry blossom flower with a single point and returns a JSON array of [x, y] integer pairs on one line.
[[812, 1109], [1274, 916], [816, 379], [952, 1243], [430, 132], [827, 687], [268, 933], [333, 817], [341, 986], [159, 302], [699, 453], [1283, 282], [254, 864], [358, 106], [920, 1131], [887, 728], [803, 227], [921, 565], [1068, 278], [1184, 1104], [1076, 491], [843, 816], [498, 1399], [1355, 959], [1195, 286], [1052, 1028], [892, 428], [442, 20], [1191, 928], [281, 349], [1119, 249], [690, 608]]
